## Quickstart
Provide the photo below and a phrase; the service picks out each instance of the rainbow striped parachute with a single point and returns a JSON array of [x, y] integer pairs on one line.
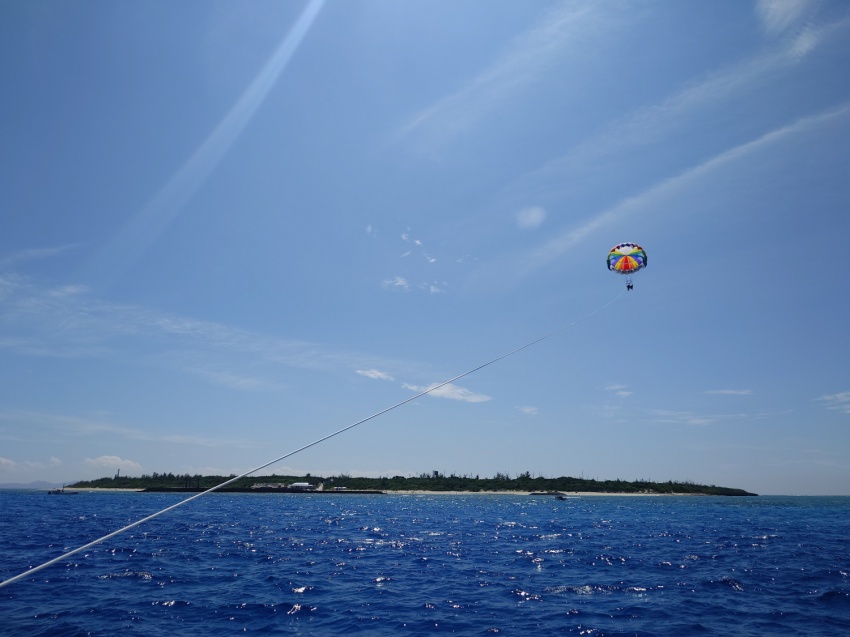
[[626, 258]]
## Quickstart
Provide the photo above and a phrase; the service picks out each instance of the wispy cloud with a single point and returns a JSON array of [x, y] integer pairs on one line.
[[674, 417], [729, 392], [452, 392], [649, 198], [688, 105], [839, 402], [528, 410], [619, 390], [778, 16], [526, 61], [374, 373], [396, 283], [433, 288], [32, 254], [667, 416], [449, 391], [22, 467], [137, 235], [34, 426], [235, 381], [415, 278], [68, 322], [530, 218]]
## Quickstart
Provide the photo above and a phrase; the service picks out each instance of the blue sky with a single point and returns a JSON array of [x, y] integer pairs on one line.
[[230, 229]]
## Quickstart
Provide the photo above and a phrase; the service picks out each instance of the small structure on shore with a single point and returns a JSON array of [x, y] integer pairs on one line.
[[295, 486]]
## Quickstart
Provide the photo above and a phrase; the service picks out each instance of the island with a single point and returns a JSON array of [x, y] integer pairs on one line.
[[435, 482]]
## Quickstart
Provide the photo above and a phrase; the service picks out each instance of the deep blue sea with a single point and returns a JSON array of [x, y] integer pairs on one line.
[[425, 565]]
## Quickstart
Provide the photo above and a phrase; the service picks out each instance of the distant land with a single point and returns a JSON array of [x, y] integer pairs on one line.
[[41, 484], [435, 481]]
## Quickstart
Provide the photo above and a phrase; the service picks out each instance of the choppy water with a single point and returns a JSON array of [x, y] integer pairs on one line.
[[422, 565]]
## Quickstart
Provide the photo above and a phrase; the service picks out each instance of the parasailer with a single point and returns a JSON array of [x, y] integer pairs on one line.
[[627, 258]]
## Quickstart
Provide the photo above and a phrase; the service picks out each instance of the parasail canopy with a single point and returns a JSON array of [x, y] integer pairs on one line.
[[626, 258]]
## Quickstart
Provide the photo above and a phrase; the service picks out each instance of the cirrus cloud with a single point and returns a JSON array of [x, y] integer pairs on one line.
[[777, 16], [838, 402], [374, 373], [530, 218], [619, 390], [452, 392]]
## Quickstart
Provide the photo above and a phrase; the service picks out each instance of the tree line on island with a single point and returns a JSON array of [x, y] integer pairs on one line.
[[435, 481]]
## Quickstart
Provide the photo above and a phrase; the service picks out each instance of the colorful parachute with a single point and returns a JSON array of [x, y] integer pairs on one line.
[[626, 258]]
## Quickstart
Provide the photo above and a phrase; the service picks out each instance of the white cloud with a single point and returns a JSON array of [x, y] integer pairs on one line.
[[660, 121], [144, 227], [729, 392], [35, 426], [619, 390], [525, 62], [452, 392], [374, 373], [68, 322], [397, 282], [805, 42], [531, 218], [67, 290], [667, 416], [432, 288], [647, 199], [26, 466], [112, 462], [777, 16], [528, 410], [32, 254], [839, 402], [234, 381]]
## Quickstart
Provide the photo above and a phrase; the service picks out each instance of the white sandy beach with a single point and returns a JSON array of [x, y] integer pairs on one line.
[[566, 494]]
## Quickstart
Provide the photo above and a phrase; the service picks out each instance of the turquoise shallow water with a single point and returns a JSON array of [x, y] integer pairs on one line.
[[422, 565]]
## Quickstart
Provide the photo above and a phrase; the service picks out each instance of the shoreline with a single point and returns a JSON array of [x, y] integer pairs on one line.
[[412, 492], [566, 494]]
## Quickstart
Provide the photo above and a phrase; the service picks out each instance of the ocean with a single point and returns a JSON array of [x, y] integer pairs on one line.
[[311, 564]]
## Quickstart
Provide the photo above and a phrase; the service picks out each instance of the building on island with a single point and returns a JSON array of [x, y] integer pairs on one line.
[[295, 486], [302, 486]]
